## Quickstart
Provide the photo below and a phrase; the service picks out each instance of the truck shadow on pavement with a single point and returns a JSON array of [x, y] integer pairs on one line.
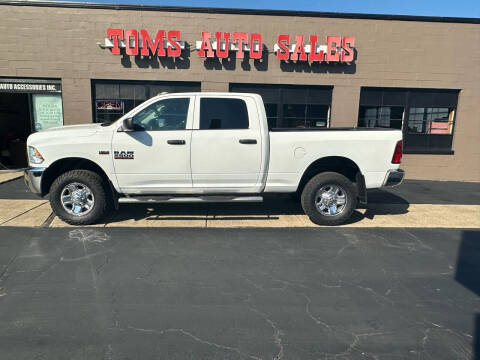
[[272, 208], [468, 274]]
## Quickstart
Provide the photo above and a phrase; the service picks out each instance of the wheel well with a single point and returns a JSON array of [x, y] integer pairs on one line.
[[63, 165], [337, 164]]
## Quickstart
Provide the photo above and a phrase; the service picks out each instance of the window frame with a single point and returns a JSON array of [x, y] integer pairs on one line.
[[153, 103], [250, 105], [144, 105], [410, 98], [451, 111]]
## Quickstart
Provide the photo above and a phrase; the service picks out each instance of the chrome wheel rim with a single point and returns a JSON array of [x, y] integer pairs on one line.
[[77, 199], [331, 200]]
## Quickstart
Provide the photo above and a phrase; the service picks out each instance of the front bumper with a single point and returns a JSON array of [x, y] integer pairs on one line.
[[394, 177], [33, 179]]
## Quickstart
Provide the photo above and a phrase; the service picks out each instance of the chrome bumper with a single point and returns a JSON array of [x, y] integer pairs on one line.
[[394, 177], [33, 179]]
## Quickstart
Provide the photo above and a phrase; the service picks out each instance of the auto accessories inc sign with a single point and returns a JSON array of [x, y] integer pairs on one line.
[[311, 48], [13, 86]]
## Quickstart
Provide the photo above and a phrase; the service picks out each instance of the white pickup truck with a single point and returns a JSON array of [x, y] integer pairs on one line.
[[208, 147]]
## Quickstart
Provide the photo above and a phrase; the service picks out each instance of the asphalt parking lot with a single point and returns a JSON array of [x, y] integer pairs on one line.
[[239, 294], [246, 289]]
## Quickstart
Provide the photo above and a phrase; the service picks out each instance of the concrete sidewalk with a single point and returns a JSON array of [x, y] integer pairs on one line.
[[7, 175], [413, 204], [35, 213]]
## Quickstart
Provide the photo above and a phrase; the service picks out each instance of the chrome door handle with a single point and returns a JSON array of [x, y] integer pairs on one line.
[[176, 142], [247, 141]]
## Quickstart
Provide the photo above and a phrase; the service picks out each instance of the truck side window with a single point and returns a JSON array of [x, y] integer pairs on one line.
[[223, 113], [167, 114]]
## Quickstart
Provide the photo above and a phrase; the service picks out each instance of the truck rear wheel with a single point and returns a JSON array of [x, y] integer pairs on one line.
[[329, 199], [78, 197]]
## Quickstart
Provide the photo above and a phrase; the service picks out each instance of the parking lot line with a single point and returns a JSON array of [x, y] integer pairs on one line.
[[33, 213]]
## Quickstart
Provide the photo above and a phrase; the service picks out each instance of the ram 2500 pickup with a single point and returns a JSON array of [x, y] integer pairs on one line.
[[208, 147]]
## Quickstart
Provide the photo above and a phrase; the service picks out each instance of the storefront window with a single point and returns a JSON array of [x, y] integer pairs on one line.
[[304, 115], [426, 116], [47, 111], [271, 110], [292, 106], [26, 105], [112, 99], [431, 120], [381, 116]]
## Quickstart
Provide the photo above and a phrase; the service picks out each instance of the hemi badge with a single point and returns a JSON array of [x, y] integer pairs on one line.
[[103, 152]]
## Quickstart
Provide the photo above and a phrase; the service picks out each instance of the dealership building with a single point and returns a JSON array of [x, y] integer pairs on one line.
[[65, 63]]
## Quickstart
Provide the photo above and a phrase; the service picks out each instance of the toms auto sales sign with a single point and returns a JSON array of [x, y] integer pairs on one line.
[[311, 48]]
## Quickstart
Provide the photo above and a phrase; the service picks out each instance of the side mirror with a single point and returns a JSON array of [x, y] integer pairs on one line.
[[128, 124]]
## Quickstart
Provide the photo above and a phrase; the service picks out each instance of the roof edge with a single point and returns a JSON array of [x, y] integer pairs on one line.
[[266, 12]]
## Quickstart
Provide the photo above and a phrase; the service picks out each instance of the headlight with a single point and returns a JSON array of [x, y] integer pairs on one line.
[[34, 155]]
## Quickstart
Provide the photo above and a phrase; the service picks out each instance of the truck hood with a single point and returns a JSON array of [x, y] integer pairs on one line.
[[82, 129], [64, 131]]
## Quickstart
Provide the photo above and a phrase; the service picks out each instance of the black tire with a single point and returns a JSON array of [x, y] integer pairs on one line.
[[309, 195], [95, 184]]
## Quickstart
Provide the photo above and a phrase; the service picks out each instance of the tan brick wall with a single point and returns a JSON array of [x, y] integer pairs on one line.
[[214, 86], [61, 42], [345, 104]]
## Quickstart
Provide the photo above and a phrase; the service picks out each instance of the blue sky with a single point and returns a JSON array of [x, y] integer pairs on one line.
[[460, 8]]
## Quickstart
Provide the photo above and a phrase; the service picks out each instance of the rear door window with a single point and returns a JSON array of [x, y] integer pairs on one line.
[[223, 113]]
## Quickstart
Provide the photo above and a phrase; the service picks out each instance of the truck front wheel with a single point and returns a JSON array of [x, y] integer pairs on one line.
[[329, 199], [78, 197]]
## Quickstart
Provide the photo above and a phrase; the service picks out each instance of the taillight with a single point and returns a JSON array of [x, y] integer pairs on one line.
[[397, 154]]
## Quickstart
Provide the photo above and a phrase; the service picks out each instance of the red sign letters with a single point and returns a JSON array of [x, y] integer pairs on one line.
[[337, 49], [224, 44], [131, 40], [236, 42]]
